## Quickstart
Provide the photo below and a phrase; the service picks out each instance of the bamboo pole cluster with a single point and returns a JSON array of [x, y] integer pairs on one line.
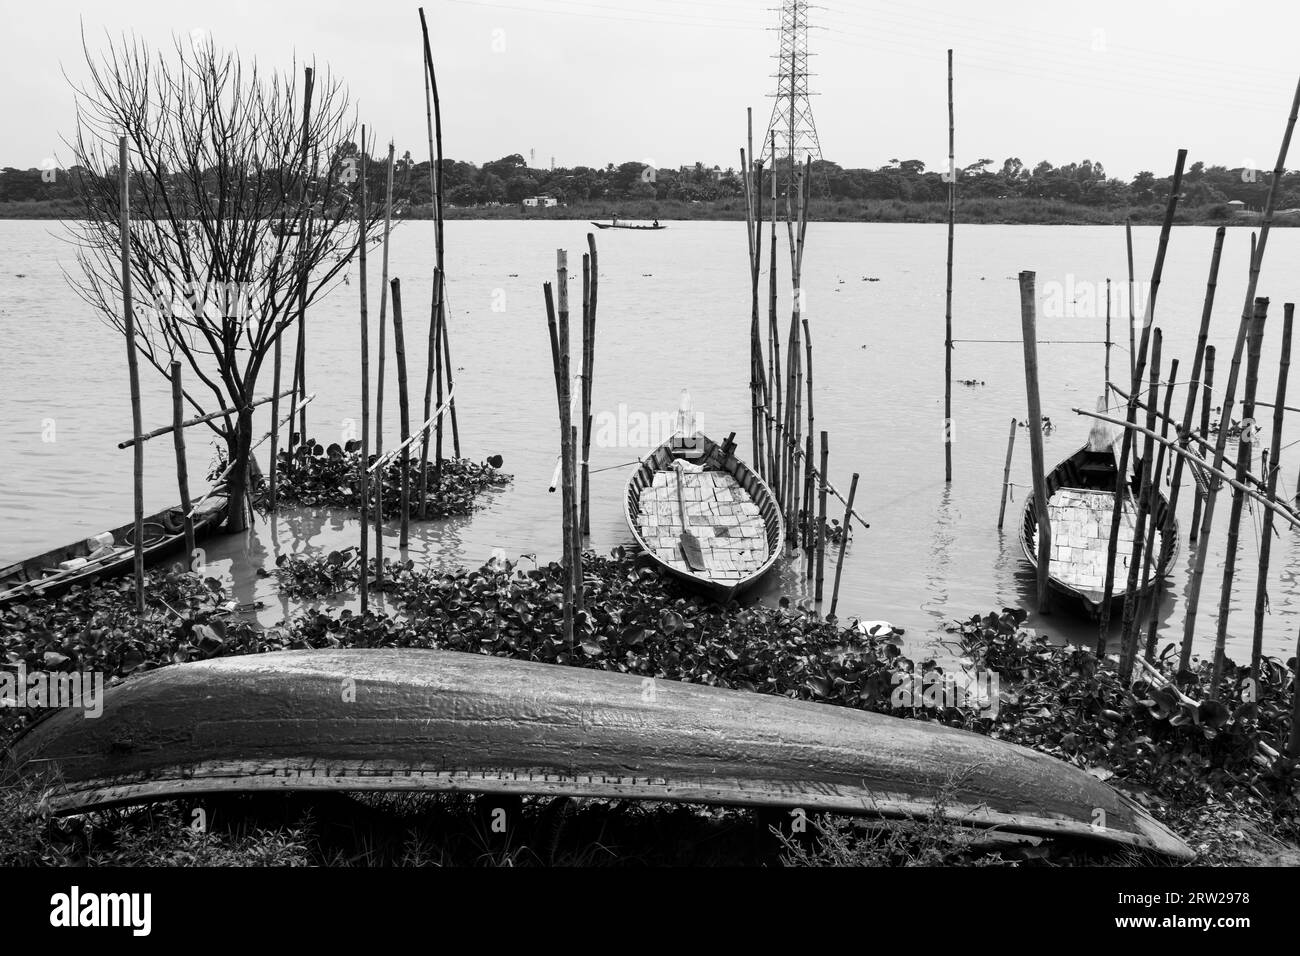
[[575, 440]]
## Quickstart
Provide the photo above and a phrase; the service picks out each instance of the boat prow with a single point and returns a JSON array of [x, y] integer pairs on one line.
[[420, 720]]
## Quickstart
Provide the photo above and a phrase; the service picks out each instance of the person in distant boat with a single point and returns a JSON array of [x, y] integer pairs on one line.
[[656, 223]]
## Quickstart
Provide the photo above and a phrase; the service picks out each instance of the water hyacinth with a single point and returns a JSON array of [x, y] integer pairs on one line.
[[313, 474]]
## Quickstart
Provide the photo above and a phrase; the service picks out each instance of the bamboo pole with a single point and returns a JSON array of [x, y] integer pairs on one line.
[[1028, 325], [755, 346], [819, 541], [273, 492], [1274, 460], [363, 478], [133, 369], [777, 447], [182, 466], [584, 518], [947, 342], [1254, 342], [1220, 448], [572, 536], [844, 544], [560, 361], [1134, 374], [433, 370], [1128, 626], [1138, 366], [805, 509], [382, 461], [1108, 342], [589, 339], [304, 234], [1149, 560], [1006, 474], [404, 411], [167, 429], [1205, 427], [1293, 739], [379, 383]]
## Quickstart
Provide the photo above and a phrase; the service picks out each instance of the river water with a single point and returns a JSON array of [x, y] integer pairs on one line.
[[674, 313]]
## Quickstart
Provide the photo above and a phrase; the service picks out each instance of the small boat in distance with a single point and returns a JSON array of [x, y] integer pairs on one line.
[[615, 224], [106, 555], [1080, 506], [702, 514]]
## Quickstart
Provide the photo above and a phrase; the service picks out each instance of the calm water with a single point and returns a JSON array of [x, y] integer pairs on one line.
[[674, 313]]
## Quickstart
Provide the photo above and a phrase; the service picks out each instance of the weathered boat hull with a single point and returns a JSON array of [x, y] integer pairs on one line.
[[1094, 470], [358, 720], [24, 580], [714, 456]]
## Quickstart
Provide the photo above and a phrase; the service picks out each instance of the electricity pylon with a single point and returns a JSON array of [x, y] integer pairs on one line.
[[792, 133]]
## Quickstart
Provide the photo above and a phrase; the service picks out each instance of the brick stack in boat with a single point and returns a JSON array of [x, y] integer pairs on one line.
[[1080, 534], [731, 530]]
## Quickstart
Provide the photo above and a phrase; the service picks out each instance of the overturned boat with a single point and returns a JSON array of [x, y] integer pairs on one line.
[[420, 720]]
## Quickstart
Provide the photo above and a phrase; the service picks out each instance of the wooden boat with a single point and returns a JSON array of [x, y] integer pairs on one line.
[[428, 720], [1081, 502], [730, 509], [651, 227], [89, 559]]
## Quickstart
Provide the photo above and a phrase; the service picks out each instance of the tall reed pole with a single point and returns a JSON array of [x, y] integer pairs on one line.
[[133, 371], [364, 477], [1138, 366], [1109, 343], [1132, 311], [182, 466], [1245, 451], [777, 447], [952, 228], [590, 268], [1198, 499], [1230, 392], [1029, 334], [819, 542], [273, 489], [1129, 623], [560, 360], [379, 384], [404, 410], [1271, 474]]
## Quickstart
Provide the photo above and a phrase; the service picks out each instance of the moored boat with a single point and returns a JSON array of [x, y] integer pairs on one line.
[[729, 510], [106, 555], [1081, 503], [423, 720], [644, 227]]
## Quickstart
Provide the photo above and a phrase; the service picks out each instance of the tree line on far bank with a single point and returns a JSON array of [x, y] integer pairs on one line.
[[511, 180]]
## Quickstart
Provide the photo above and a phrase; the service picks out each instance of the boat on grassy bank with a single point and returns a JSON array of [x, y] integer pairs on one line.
[[733, 528], [106, 555], [424, 720]]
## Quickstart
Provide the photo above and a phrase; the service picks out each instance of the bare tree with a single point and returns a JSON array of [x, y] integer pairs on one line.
[[242, 214]]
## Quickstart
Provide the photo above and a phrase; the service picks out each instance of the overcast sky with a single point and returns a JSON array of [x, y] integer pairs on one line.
[[591, 82]]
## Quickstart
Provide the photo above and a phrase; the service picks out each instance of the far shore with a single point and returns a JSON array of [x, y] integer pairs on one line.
[[969, 212]]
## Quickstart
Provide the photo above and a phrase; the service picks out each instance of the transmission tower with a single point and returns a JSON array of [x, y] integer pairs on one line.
[[792, 119]]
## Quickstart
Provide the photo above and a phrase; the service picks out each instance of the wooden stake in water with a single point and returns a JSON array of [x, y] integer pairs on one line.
[[1230, 392], [1153, 558], [133, 372], [1029, 332], [820, 539], [182, 467], [952, 227], [777, 445], [1134, 374], [379, 383], [590, 269], [1245, 451], [844, 544], [273, 489], [1006, 474], [1199, 498], [1129, 628], [304, 233], [363, 477], [1274, 460], [404, 409], [1109, 343], [560, 362]]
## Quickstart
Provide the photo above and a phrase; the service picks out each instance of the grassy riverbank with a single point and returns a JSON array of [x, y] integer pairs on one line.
[[969, 212], [1205, 772]]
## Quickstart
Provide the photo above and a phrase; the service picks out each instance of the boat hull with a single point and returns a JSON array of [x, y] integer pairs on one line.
[[1095, 471], [28, 579], [389, 719], [714, 456]]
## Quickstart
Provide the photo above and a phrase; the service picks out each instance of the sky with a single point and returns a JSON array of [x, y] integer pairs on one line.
[[667, 82]]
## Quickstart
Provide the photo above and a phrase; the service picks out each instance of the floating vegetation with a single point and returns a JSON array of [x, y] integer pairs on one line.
[[309, 577], [316, 475]]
